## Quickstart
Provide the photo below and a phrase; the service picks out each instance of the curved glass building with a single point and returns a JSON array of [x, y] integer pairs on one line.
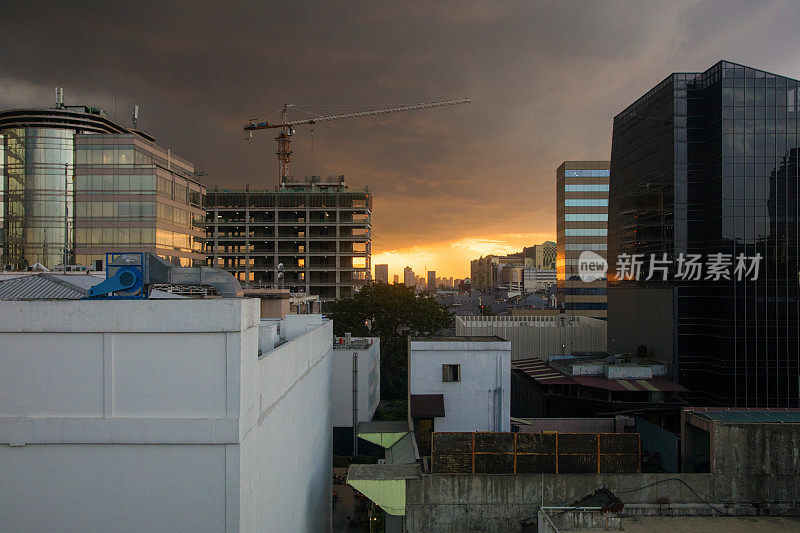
[[75, 185]]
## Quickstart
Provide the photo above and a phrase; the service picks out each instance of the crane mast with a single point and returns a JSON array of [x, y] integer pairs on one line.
[[286, 127]]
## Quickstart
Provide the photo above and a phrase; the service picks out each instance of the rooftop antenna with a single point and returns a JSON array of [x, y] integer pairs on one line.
[[135, 115]]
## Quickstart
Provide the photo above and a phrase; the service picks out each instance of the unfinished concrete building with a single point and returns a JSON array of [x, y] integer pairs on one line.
[[311, 235]]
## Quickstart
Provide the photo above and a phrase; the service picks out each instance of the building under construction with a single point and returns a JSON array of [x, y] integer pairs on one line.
[[312, 235]]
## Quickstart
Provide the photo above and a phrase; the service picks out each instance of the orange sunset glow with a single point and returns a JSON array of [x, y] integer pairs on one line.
[[451, 259]]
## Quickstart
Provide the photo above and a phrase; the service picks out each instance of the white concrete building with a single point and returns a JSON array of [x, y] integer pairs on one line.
[[540, 336], [356, 370], [160, 415], [459, 384]]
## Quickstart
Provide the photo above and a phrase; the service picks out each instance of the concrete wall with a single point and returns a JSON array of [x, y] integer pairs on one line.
[[755, 449], [500, 502], [285, 455], [471, 404], [159, 415], [369, 376], [538, 336]]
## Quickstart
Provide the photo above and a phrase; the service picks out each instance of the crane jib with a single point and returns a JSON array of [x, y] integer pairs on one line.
[[283, 141]]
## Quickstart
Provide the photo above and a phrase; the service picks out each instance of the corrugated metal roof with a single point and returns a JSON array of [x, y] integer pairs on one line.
[[41, 287], [543, 373], [747, 416], [539, 370], [637, 385], [53, 286]]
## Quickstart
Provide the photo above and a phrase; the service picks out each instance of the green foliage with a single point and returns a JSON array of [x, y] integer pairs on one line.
[[393, 313]]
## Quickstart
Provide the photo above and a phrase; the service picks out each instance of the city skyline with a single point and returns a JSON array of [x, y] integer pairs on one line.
[[426, 169]]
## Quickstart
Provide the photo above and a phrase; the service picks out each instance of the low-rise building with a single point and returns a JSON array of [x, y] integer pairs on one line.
[[590, 384], [356, 373], [540, 336], [458, 384], [752, 471]]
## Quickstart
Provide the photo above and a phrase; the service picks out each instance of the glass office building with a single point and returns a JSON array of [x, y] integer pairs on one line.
[[582, 218], [707, 163], [132, 195], [75, 185]]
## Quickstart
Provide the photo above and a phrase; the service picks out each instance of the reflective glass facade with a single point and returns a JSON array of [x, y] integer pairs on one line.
[[34, 192], [708, 163], [74, 183], [582, 214], [131, 195]]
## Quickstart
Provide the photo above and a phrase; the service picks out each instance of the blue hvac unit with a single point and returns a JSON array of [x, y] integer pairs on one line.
[[125, 278]]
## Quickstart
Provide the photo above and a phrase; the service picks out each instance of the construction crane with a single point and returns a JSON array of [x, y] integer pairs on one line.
[[286, 127]]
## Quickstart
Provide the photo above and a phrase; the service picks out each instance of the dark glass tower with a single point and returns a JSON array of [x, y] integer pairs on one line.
[[707, 163]]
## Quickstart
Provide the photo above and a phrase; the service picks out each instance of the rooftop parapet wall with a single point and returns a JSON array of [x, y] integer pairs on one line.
[[94, 359], [129, 316], [500, 502]]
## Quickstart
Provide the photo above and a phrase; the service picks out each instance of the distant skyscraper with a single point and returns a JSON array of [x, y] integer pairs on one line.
[[707, 163], [409, 279], [396, 279], [582, 215], [382, 273], [484, 272], [431, 280]]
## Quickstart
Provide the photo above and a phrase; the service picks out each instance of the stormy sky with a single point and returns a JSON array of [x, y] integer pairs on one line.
[[545, 79]]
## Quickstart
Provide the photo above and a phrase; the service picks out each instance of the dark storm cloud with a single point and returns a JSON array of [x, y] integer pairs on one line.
[[546, 79]]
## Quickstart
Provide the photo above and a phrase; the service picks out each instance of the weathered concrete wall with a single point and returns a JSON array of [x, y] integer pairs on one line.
[[756, 448], [500, 502]]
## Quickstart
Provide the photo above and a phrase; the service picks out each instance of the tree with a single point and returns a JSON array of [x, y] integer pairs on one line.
[[393, 313]]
